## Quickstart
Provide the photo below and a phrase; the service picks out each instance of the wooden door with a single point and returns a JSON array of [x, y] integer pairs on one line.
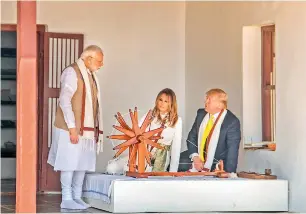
[[268, 85], [60, 50]]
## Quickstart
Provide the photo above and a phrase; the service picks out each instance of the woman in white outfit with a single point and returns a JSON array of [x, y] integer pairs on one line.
[[77, 130], [165, 113]]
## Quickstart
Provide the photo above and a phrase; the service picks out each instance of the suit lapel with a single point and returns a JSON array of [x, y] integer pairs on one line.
[[222, 141], [225, 124]]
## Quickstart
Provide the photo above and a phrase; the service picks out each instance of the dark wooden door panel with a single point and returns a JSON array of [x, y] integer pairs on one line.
[[60, 50]]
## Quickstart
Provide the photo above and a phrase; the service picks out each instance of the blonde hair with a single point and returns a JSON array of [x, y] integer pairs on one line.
[[222, 96], [172, 116], [91, 51]]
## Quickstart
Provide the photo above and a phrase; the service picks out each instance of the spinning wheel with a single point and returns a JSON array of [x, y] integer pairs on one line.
[[137, 140]]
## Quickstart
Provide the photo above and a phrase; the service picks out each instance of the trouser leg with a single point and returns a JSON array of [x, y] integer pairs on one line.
[[77, 185], [66, 184], [185, 162]]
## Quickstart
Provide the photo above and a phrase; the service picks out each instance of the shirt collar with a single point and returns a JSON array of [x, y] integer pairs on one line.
[[88, 71], [216, 116]]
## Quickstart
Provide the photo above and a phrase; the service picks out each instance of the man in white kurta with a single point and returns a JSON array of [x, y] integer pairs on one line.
[[77, 132]]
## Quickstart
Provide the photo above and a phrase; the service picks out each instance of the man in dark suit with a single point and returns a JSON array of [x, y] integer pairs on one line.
[[215, 135]]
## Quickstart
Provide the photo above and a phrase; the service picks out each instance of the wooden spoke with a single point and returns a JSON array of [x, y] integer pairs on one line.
[[149, 153], [155, 138], [135, 124], [126, 143], [122, 121], [120, 151], [147, 121], [119, 137], [125, 131], [152, 132], [148, 159], [136, 114], [151, 143]]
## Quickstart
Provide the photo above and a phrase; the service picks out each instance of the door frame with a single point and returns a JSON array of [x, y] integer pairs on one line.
[[13, 27], [54, 43], [41, 29]]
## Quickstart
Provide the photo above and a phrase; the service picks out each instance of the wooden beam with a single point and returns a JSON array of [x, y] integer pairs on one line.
[[13, 27], [26, 107]]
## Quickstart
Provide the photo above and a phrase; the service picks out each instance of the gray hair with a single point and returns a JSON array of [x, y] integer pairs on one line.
[[90, 51]]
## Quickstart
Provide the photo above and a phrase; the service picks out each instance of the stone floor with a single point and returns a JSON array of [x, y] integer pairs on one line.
[[45, 203], [8, 185]]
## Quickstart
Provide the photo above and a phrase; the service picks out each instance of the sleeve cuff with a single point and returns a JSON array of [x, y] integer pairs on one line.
[[71, 125], [193, 155]]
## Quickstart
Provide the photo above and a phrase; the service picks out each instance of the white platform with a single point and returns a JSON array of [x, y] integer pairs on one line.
[[194, 195]]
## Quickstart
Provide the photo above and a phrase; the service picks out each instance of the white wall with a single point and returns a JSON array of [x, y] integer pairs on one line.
[[211, 60], [251, 85], [214, 59], [144, 45]]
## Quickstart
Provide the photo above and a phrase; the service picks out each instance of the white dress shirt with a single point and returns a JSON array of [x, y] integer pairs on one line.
[[214, 119]]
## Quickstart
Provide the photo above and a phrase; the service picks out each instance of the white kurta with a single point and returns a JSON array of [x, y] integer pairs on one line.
[[63, 155]]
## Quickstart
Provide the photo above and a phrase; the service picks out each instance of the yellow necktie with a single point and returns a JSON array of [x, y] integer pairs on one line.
[[205, 135]]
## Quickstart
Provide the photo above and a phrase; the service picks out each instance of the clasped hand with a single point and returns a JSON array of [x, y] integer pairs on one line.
[[198, 163], [74, 137]]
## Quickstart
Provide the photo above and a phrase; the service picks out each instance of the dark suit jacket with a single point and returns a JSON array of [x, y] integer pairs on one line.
[[229, 140]]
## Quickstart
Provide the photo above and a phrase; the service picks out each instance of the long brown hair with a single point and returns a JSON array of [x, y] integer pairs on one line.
[[172, 116]]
